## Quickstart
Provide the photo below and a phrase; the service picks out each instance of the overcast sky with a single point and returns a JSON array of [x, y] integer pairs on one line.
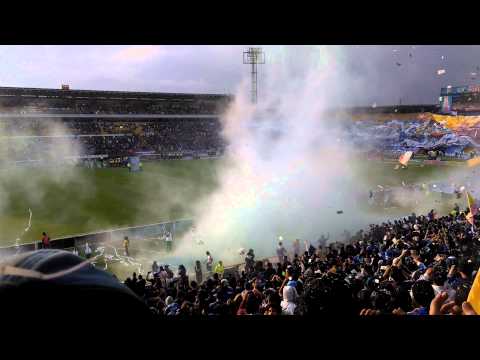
[[219, 69]]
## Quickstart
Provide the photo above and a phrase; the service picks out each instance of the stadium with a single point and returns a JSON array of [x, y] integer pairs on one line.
[[186, 210]]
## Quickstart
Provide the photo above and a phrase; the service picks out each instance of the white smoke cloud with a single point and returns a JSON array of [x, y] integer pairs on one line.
[[20, 185], [285, 172]]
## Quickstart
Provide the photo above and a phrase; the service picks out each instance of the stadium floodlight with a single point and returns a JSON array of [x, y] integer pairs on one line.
[[254, 56]]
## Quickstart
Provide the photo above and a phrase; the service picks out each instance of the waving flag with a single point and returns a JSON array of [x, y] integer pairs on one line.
[[472, 205], [405, 158]]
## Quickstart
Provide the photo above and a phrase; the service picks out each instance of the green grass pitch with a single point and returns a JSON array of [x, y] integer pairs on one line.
[[79, 200]]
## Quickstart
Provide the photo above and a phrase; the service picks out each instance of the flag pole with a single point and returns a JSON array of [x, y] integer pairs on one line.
[[471, 213]]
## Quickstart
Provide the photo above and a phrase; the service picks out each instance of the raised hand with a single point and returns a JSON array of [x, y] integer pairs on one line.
[[369, 312], [467, 309], [437, 303], [398, 311]]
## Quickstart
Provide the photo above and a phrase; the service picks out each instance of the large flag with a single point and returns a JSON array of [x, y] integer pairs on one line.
[[405, 158], [474, 162], [474, 295], [472, 205]]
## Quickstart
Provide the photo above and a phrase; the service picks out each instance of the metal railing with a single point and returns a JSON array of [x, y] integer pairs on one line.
[[111, 236]]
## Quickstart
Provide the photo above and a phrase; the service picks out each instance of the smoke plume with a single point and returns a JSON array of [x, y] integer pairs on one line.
[[286, 172]]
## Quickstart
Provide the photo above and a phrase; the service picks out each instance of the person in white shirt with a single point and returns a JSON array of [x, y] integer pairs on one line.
[[209, 262], [289, 302], [88, 251], [440, 283]]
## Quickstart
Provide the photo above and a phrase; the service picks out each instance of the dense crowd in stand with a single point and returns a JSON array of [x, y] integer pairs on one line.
[[418, 265], [112, 138]]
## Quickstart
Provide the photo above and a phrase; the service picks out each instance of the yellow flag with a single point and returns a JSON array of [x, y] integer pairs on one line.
[[474, 295], [474, 162], [472, 204]]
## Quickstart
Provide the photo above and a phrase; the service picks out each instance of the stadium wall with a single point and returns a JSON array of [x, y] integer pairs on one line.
[[112, 237]]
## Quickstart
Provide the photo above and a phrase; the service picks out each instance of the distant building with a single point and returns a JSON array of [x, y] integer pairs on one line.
[[461, 100]]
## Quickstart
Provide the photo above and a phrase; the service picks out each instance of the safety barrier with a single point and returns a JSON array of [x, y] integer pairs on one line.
[[113, 236]]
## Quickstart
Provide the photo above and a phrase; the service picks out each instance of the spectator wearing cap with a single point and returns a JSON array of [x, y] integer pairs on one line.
[[69, 282]]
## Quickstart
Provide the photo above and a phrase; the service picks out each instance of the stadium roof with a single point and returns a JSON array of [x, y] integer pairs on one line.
[[109, 116], [104, 94]]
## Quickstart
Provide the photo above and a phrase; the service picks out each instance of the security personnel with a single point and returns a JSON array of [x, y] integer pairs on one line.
[[219, 269]]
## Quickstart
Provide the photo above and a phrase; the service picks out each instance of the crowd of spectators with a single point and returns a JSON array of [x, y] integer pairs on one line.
[[32, 139], [188, 135], [417, 265]]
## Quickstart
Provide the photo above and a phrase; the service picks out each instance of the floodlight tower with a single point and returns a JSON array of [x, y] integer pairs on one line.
[[254, 56]]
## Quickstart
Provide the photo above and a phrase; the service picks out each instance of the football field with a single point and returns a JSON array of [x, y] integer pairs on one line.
[[77, 200]]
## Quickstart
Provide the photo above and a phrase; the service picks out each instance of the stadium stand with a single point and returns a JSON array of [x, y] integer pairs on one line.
[[35, 122]]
